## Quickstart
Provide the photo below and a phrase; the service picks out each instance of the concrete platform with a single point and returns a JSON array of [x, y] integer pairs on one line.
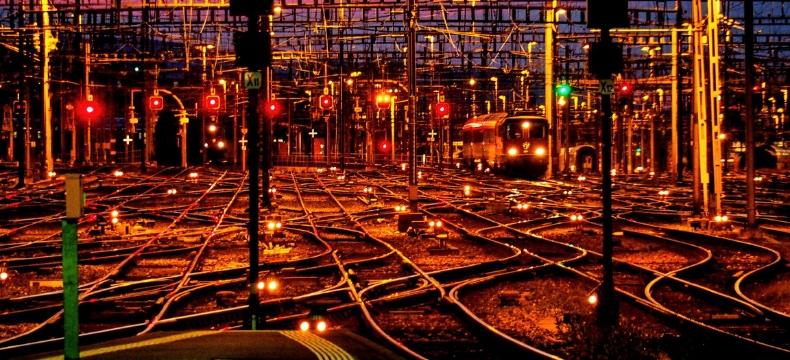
[[279, 345]]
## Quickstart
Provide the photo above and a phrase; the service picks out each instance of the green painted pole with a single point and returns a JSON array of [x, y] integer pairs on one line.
[[71, 326], [75, 208]]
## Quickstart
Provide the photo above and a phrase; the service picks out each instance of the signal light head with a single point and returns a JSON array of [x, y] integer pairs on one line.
[[273, 108], [442, 109], [212, 102], [156, 103], [383, 101], [325, 102], [563, 90]]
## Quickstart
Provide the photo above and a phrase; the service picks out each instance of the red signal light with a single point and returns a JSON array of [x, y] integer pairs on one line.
[[272, 108], [442, 109], [212, 102], [384, 146], [88, 109], [625, 88], [156, 103], [325, 102]]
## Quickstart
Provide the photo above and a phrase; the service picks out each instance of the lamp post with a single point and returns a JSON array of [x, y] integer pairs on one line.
[[496, 92]]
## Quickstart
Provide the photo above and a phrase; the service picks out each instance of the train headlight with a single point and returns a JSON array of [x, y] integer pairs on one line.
[[304, 326], [512, 151], [525, 124], [540, 151], [321, 326]]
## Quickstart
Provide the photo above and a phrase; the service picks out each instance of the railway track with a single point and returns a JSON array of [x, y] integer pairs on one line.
[[507, 272]]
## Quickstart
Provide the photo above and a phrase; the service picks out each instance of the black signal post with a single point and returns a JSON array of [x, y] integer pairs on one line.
[[253, 9], [606, 15]]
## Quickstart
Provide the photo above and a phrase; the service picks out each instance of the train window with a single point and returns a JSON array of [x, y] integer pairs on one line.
[[537, 132], [467, 137], [477, 136], [512, 132]]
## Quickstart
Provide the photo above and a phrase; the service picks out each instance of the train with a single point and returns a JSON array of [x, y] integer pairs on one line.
[[514, 143]]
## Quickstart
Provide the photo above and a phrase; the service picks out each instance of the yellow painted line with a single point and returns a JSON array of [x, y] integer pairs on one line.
[[323, 349], [139, 344]]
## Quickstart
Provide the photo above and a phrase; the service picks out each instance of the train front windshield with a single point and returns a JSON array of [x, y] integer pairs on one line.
[[516, 130]]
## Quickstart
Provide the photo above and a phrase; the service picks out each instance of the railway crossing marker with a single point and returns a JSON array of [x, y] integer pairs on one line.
[[606, 87], [243, 142], [127, 140], [312, 133], [252, 80], [433, 134]]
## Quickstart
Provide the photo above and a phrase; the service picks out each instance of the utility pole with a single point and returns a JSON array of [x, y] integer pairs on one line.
[[748, 41], [676, 164], [46, 113], [549, 82], [411, 113], [21, 145], [341, 111], [700, 117], [714, 96], [266, 133], [88, 96]]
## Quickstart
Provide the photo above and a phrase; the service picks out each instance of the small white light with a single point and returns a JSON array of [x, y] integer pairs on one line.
[[272, 285], [512, 151], [114, 213], [321, 326], [573, 217], [114, 221], [260, 285], [724, 218], [592, 299], [304, 326], [540, 151], [580, 218], [3, 275], [717, 218]]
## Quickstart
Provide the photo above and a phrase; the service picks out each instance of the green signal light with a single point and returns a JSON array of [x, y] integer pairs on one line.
[[563, 90]]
